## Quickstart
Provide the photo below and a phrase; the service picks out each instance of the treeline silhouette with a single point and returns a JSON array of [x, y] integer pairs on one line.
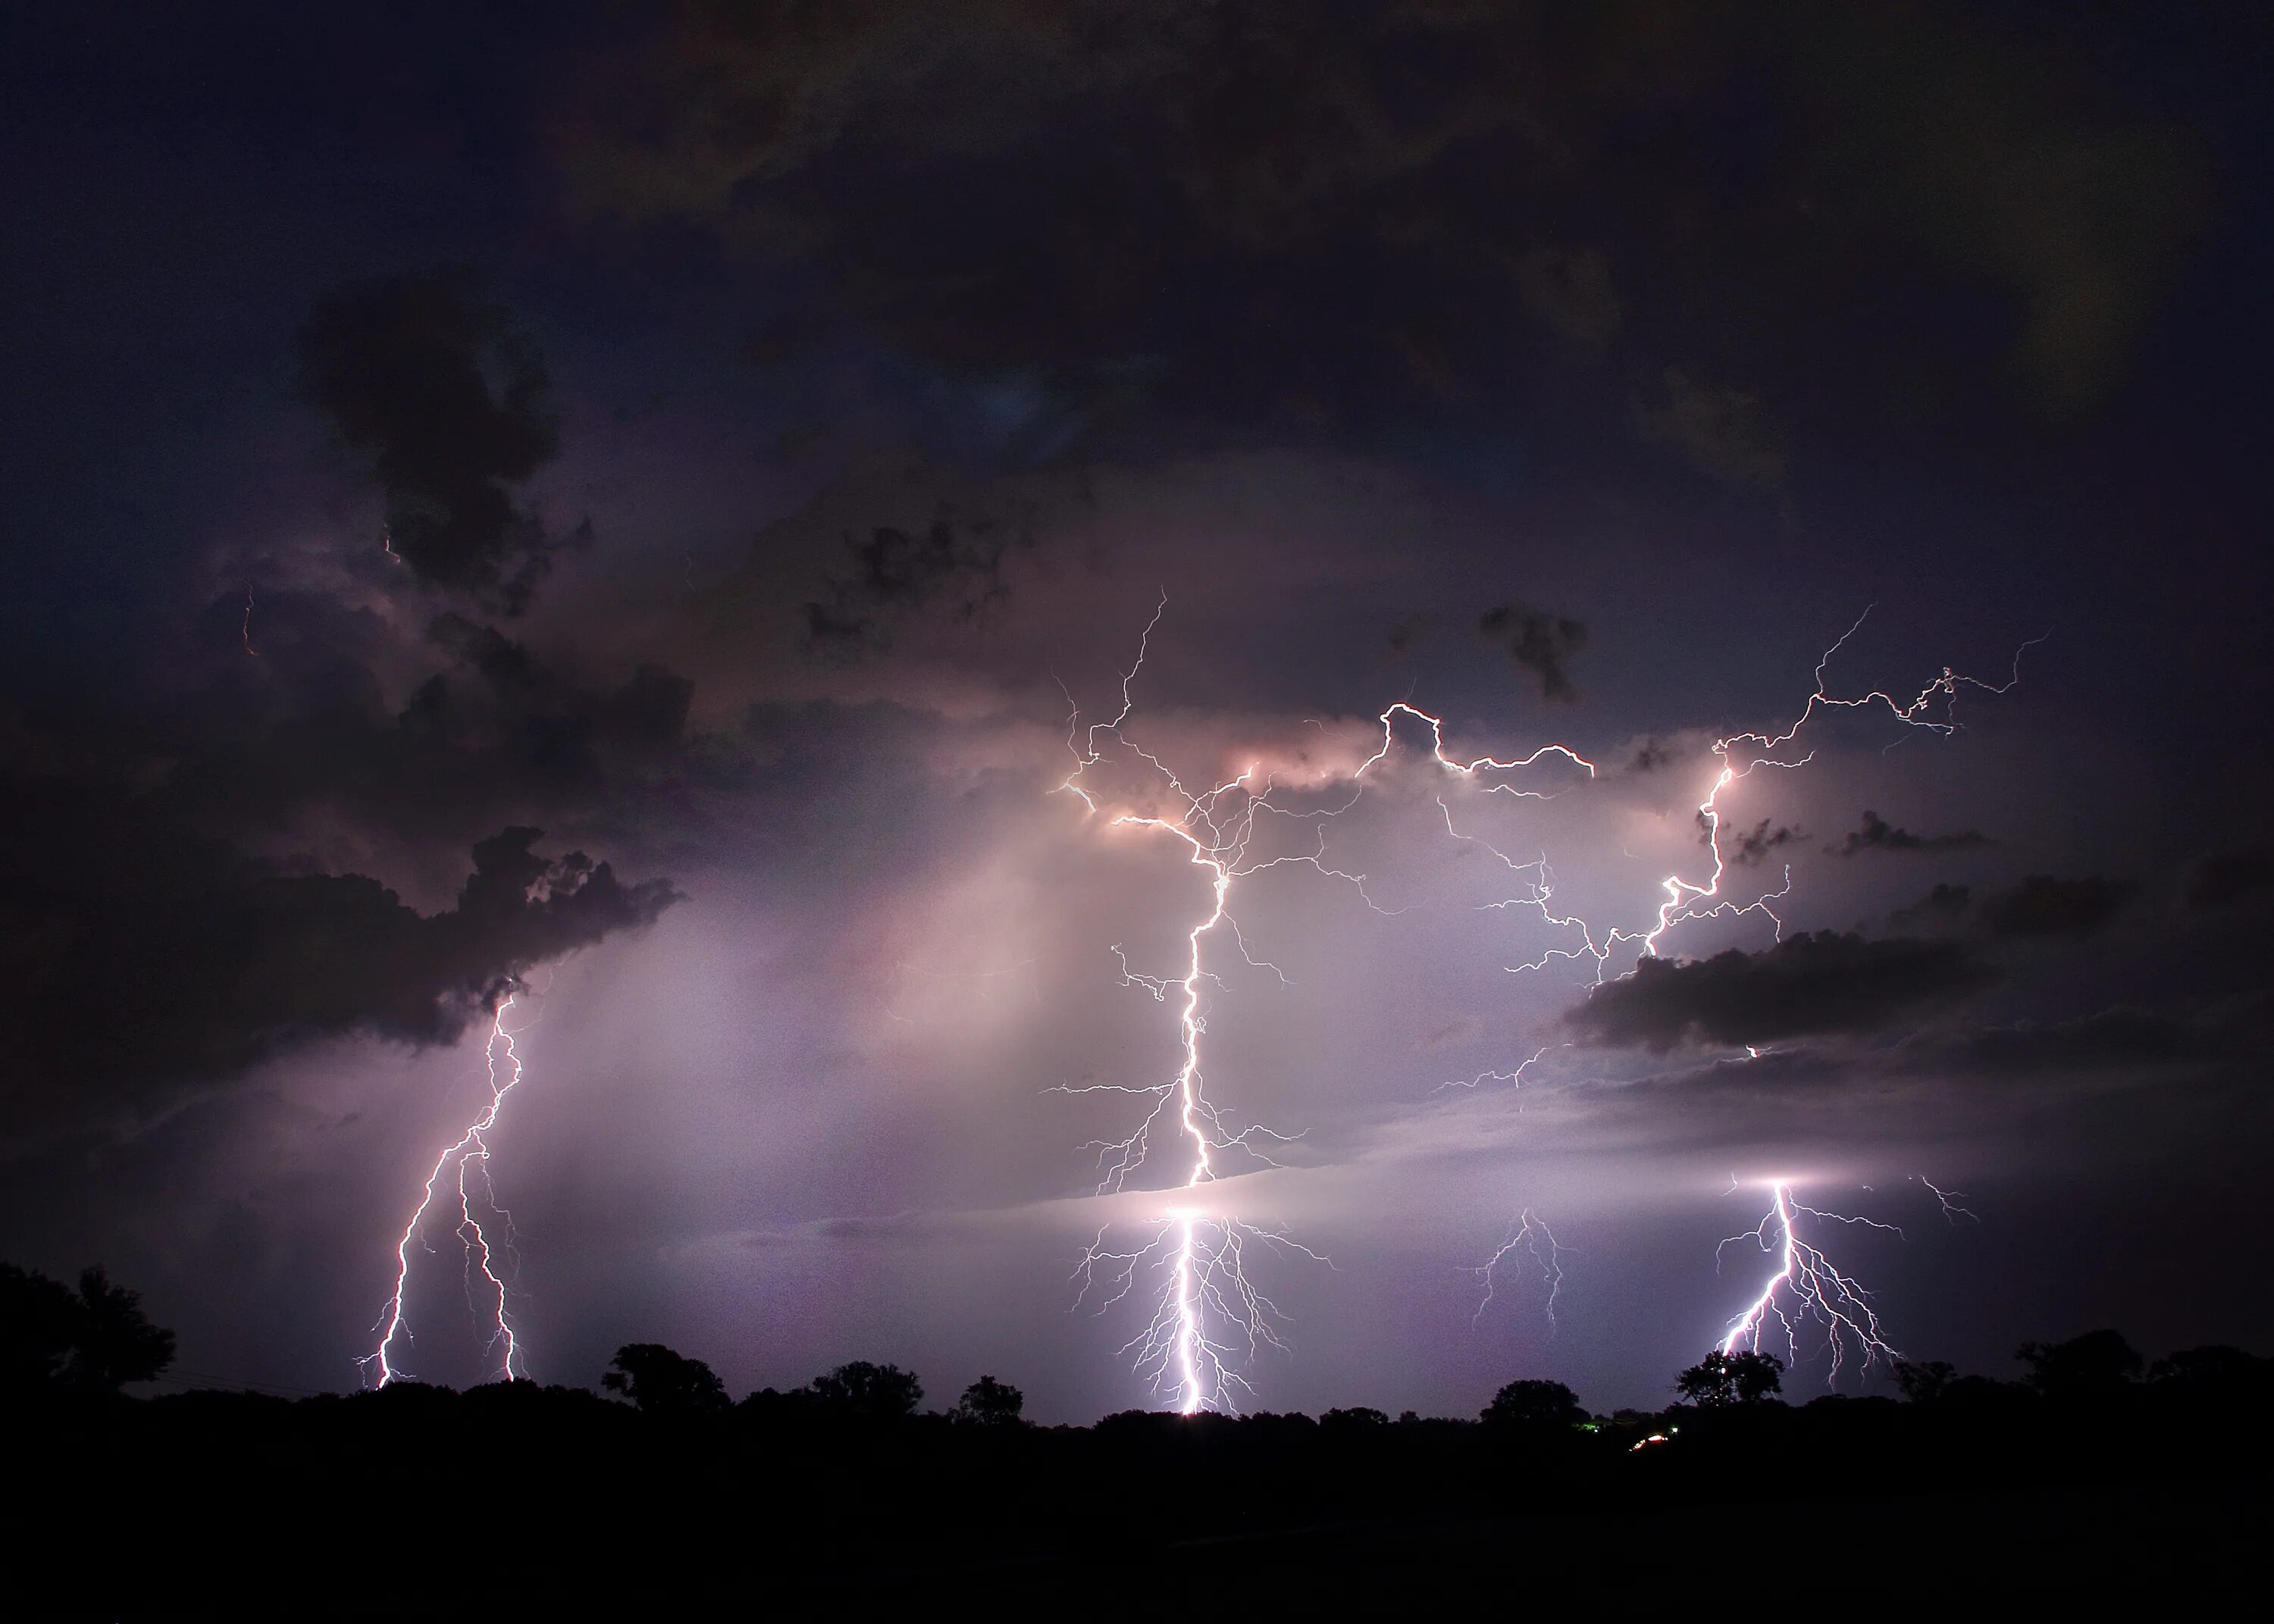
[[2095, 1474]]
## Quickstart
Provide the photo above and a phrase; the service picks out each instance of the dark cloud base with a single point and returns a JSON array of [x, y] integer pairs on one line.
[[1876, 834], [143, 957], [1808, 985]]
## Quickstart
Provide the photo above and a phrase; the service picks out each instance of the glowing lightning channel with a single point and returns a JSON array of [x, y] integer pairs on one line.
[[245, 629], [1531, 1237], [1513, 1077], [1200, 1256], [472, 1153], [1951, 1212], [1806, 1286], [1933, 710], [1198, 1253]]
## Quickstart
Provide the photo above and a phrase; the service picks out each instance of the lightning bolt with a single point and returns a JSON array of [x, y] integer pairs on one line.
[[245, 627], [1208, 1315], [1807, 1286], [1531, 1237], [1933, 709], [472, 1154], [1206, 1310], [1949, 1200], [1513, 1077]]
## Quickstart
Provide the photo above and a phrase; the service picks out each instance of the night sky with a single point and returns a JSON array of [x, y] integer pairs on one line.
[[619, 507]]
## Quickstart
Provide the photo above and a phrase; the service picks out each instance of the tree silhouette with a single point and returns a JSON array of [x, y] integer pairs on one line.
[[2093, 1365], [1924, 1381], [989, 1403], [1536, 1404], [658, 1381], [875, 1392], [2217, 1365], [1721, 1379], [37, 1318], [113, 1341], [1358, 1416], [96, 1340]]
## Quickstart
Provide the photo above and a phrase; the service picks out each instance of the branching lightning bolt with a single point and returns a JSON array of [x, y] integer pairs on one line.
[[1933, 710], [1514, 1076], [472, 1154], [1531, 1237], [1806, 1287], [1949, 1200], [1207, 1310], [1199, 1255], [1209, 1318]]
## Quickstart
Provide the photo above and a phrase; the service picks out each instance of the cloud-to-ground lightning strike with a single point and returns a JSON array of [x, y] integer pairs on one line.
[[1197, 1252], [1530, 1236], [472, 1154], [1208, 1311], [1807, 1281], [1806, 1286], [1185, 1357]]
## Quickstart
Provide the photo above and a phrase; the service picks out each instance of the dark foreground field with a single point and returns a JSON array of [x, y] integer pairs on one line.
[[517, 1502]]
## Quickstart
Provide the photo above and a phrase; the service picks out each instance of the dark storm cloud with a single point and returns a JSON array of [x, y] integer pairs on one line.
[[1877, 835], [1723, 432], [427, 378], [140, 956], [1315, 219], [1817, 983], [2224, 877], [2149, 1044], [2043, 904], [1980, 152], [1569, 288], [1939, 909], [1753, 846], [1406, 635], [950, 569], [1538, 641], [162, 917], [2116, 1037], [489, 734]]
